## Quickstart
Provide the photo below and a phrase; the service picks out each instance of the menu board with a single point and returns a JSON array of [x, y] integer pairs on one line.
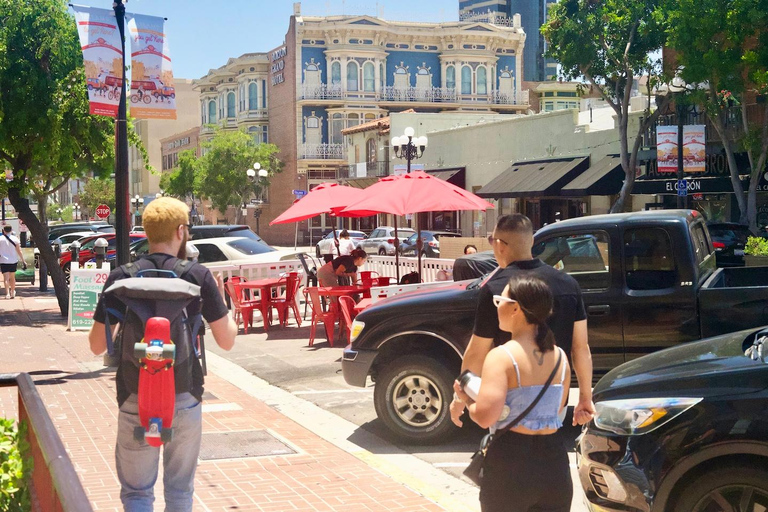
[[85, 288]]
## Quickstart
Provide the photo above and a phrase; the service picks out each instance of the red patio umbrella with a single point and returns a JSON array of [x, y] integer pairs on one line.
[[328, 198], [414, 193]]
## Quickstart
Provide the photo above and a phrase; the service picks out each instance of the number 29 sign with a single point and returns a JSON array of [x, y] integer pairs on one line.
[[85, 288]]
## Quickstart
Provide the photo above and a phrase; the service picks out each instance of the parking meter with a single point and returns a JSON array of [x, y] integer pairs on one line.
[[192, 252], [100, 248], [74, 250], [56, 244]]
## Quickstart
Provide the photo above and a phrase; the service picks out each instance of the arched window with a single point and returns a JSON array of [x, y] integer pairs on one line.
[[505, 83], [253, 96], [230, 104], [466, 80], [402, 78], [482, 80], [336, 73], [241, 92], [212, 112], [369, 77], [352, 76], [423, 78], [353, 120], [312, 74], [450, 77]]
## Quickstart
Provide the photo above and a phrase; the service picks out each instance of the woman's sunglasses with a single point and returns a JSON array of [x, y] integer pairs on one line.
[[499, 299]]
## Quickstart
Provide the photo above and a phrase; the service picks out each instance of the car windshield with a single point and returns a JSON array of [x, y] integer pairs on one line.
[[729, 234], [250, 247], [246, 232]]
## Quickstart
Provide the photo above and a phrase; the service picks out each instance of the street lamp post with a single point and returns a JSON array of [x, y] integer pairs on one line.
[[160, 194], [252, 173], [58, 212], [76, 211], [409, 148], [122, 194], [136, 202]]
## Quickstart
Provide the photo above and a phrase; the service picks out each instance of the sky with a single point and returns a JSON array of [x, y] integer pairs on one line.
[[203, 34]]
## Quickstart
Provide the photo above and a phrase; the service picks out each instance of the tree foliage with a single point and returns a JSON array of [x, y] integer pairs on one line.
[[180, 182], [723, 46], [221, 175], [609, 44], [97, 192]]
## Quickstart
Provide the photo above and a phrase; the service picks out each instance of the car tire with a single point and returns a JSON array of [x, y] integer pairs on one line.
[[67, 271], [728, 483], [430, 384], [317, 252], [382, 252]]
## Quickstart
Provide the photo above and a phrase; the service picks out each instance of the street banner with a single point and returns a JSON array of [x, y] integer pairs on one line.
[[666, 148], [694, 148], [84, 291], [153, 95], [102, 56]]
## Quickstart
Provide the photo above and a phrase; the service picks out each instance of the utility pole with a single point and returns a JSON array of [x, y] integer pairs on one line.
[[122, 200]]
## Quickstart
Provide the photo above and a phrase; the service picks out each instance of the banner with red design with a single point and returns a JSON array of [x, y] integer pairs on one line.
[[152, 95], [694, 148], [102, 57]]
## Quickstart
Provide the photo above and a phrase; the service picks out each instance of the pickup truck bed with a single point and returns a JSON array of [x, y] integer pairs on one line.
[[732, 299]]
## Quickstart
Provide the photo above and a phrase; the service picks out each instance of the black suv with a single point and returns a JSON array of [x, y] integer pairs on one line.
[[198, 232], [729, 240], [682, 430]]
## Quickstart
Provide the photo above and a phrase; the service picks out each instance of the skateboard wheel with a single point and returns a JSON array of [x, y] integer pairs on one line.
[[169, 351], [166, 435], [138, 433], [139, 350]]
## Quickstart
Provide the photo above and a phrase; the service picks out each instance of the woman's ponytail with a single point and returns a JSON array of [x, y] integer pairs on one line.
[[545, 338]]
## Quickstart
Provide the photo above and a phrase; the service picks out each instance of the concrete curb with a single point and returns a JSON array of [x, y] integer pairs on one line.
[[447, 491]]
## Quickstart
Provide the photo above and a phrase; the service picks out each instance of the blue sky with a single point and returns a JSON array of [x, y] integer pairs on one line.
[[204, 34]]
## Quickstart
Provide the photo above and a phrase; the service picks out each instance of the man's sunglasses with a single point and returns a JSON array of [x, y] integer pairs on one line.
[[492, 239]]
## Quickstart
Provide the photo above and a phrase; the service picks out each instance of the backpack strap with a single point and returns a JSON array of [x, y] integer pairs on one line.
[[131, 270], [181, 268]]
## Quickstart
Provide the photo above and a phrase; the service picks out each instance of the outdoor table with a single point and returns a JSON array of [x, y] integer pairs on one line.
[[339, 291], [264, 286]]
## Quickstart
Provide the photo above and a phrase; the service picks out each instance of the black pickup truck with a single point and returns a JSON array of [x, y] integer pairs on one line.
[[649, 282]]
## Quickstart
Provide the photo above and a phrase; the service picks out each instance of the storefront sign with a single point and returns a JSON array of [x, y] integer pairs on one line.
[[666, 148], [277, 58], [694, 148], [84, 292]]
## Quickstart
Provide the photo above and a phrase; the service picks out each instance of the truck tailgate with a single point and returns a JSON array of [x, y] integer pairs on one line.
[[732, 299]]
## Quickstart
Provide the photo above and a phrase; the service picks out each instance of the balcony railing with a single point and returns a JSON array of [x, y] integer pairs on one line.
[[322, 92], [322, 151], [364, 170], [733, 124], [414, 95], [260, 113], [427, 94], [504, 98]]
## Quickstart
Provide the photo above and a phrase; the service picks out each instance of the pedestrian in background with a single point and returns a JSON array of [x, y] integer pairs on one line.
[[10, 256], [470, 249], [346, 245], [526, 465]]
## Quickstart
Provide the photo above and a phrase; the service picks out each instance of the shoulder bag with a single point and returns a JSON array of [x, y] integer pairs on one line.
[[475, 469]]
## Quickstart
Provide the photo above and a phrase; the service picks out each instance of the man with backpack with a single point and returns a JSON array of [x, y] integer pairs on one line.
[[165, 222]]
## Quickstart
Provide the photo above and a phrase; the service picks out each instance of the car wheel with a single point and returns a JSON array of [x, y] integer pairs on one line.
[[37, 261], [412, 398], [382, 252], [67, 270], [733, 488]]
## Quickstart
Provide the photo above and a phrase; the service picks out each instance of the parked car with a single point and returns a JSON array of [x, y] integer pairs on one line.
[[382, 240], [238, 251], [137, 229], [57, 230], [682, 430], [327, 246], [86, 251], [729, 240], [199, 232], [65, 239], [430, 243], [648, 279]]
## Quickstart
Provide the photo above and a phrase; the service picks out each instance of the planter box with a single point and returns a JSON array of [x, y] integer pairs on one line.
[[755, 261]]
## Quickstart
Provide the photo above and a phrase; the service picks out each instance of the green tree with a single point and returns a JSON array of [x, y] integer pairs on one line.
[[180, 181], [609, 44], [221, 173], [97, 192], [723, 45], [55, 211]]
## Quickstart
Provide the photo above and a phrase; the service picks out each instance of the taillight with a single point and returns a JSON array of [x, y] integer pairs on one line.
[[432, 244], [718, 245], [390, 240]]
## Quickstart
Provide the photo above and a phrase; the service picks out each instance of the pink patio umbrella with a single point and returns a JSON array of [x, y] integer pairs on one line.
[[416, 192]]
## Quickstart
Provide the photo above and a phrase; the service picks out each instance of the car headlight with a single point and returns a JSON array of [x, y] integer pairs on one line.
[[637, 416], [357, 328]]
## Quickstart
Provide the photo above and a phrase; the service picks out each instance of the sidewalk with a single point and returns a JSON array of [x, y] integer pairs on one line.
[[258, 458]]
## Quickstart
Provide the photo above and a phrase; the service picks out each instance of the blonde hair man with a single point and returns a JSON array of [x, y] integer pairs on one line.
[[165, 223]]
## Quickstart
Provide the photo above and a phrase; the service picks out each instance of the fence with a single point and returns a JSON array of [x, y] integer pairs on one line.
[[54, 482], [254, 271], [430, 267]]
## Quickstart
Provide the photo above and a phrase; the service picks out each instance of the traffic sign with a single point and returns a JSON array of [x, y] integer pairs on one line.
[[299, 193], [682, 187], [103, 211]]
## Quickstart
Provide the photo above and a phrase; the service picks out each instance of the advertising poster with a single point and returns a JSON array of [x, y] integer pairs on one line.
[[152, 94], [102, 56], [666, 148], [84, 292], [694, 148]]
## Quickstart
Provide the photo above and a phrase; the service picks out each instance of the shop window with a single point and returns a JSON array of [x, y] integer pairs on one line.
[[230, 104], [648, 259], [482, 80], [585, 257], [352, 76], [369, 77]]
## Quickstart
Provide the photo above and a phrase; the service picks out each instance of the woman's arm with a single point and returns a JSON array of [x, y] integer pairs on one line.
[[493, 390], [340, 270], [566, 383]]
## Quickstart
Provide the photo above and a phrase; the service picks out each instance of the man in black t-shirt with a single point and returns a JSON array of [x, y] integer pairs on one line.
[[165, 223], [512, 241]]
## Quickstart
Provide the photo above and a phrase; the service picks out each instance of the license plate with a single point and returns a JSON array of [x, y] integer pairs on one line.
[[738, 252]]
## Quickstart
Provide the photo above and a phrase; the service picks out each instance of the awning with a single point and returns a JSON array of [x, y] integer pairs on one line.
[[604, 178], [535, 179], [455, 176], [360, 182]]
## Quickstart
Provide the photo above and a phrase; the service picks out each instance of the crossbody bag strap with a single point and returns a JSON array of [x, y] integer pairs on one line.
[[9, 239], [523, 414]]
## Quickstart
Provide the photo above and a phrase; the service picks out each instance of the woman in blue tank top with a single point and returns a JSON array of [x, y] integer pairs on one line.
[[526, 468]]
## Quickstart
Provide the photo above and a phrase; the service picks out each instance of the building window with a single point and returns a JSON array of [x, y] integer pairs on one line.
[[253, 96], [336, 73], [353, 120], [466, 80], [312, 74], [423, 78], [212, 112], [505, 82], [312, 132], [382, 75], [450, 77], [369, 77], [370, 151], [230, 104], [337, 124], [202, 113], [402, 80], [482, 80], [265, 134], [241, 103], [352, 76]]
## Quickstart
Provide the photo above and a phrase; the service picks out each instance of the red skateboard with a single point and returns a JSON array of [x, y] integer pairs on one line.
[[157, 384]]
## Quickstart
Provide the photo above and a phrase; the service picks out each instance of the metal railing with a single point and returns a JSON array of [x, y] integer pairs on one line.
[[54, 482], [322, 92], [372, 170], [733, 124], [322, 151], [415, 94]]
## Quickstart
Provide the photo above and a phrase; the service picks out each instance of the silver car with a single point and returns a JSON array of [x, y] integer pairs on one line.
[[382, 240]]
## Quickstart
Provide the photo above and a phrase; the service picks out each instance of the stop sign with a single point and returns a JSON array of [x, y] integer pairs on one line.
[[103, 211]]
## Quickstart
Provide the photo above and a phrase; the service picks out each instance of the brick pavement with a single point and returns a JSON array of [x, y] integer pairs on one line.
[[79, 393]]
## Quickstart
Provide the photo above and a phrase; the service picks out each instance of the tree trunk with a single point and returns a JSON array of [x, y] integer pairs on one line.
[[629, 174], [738, 190], [40, 236]]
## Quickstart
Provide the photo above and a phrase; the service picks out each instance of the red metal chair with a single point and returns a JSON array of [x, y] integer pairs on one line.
[[288, 302], [368, 279], [318, 315], [347, 310], [243, 309]]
